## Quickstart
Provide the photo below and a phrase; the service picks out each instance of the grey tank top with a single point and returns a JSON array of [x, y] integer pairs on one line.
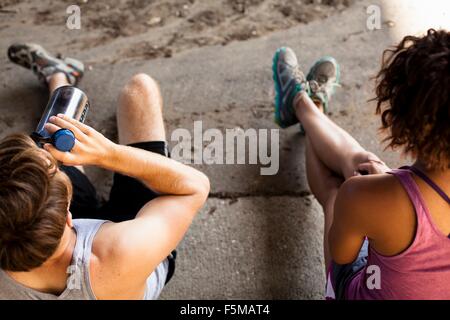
[[78, 282]]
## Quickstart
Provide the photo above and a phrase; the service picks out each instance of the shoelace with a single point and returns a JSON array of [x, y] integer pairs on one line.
[[298, 75], [316, 87]]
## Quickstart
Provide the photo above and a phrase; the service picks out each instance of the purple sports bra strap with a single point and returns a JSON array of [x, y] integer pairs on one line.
[[430, 182]]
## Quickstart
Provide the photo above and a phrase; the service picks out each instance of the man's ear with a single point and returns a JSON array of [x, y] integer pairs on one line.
[[69, 219]]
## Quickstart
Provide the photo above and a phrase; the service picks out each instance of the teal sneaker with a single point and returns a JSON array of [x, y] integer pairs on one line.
[[323, 79], [36, 58], [289, 81]]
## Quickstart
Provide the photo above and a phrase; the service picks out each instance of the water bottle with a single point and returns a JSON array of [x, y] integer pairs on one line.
[[66, 100]]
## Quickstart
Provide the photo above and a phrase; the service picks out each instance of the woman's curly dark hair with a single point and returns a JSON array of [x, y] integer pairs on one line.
[[413, 97]]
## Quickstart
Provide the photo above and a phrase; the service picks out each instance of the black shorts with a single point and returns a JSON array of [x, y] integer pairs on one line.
[[126, 198]]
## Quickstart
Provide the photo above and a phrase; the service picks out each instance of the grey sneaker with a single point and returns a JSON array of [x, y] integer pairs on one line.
[[323, 78], [33, 56], [289, 81]]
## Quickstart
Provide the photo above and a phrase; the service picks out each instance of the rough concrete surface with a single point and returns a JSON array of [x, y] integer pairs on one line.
[[258, 237]]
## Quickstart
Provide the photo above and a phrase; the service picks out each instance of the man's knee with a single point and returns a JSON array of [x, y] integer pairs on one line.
[[141, 83]]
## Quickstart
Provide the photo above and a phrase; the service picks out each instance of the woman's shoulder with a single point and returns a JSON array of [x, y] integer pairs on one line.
[[381, 206], [375, 185], [374, 193]]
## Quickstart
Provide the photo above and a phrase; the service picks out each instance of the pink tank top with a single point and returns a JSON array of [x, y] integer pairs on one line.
[[422, 271]]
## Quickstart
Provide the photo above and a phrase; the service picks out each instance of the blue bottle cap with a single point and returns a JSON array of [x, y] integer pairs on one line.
[[63, 140]]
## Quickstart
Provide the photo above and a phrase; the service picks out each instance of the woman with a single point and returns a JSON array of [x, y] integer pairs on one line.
[[386, 231]]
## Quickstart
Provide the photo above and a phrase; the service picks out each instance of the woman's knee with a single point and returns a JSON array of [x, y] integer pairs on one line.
[[357, 158]]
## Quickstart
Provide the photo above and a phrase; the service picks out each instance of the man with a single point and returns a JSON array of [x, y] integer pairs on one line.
[[45, 251]]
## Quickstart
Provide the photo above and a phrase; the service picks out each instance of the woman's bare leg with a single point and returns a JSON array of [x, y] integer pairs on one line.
[[324, 184], [332, 155], [335, 148]]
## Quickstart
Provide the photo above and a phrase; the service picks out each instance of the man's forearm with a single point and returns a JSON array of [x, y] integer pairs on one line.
[[160, 173]]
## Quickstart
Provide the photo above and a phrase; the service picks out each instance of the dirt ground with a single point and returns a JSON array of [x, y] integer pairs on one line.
[[176, 25]]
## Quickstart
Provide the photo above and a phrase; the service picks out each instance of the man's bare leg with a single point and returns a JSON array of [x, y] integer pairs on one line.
[[336, 148], [139, 113], [57, 80]]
